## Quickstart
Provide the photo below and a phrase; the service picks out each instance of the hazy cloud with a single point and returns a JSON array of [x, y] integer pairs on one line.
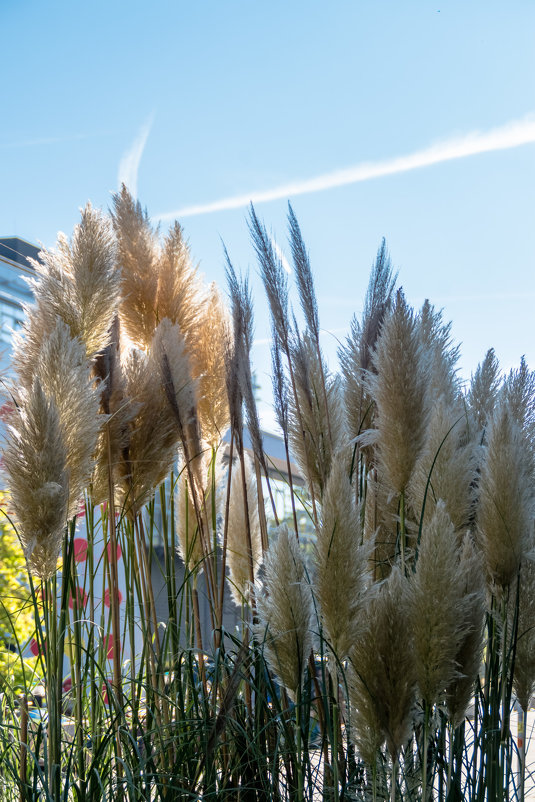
[[129, 164], [511, 135]]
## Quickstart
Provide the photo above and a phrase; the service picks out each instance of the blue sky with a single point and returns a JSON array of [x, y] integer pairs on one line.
[[200, 102]]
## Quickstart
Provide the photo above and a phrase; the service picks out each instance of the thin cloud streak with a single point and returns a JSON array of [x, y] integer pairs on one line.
[[512, 135], [129, 164], [280, 255], [50, 140]]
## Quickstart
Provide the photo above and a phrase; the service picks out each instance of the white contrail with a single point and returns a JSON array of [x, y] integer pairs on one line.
[[511, 135], [129, 164], [280, 255]]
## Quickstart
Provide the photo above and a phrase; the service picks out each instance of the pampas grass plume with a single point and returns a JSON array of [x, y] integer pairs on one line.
[[399, 388], [207, 474], [137, 257], [65, 376], [311, 442], [383, 665], [237, 547], [35, 461], [208, 364], [505, 498], [448, 459], [436, 606], [484, 388], [284, 606], [78, 283], [341, 563], [469, 652], [524, 671]]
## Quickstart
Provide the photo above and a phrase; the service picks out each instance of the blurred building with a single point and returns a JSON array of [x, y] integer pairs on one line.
[[15, 266]]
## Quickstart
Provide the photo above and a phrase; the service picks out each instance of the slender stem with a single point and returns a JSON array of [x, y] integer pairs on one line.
[[425, 739], [298, 745], [334, 755], [402, 529], [394, 780], [114, 589], [521, 742], [23, 744], [290, 480], [450, 756], [198, 634]]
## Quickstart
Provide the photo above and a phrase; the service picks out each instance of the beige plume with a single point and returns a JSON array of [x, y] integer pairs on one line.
[[79, 283], [384, 672], [208, 365], [311, 442], [285, 610], [524, 671], [436, 606], [341, 563], [399, 388], [207, 476], [35, 460], [470, 649], [238, 558], [65, 376], [484, 389], [137, 256], [505, 498], [446, 467]]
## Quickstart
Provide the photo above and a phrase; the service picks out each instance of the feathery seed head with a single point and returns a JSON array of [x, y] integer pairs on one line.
[[399, 388], [377, 304], [310, 439], [65, 375], [303, 273], [448, 463], [238, 558], [199, 499], [96, 279], [484, 389], [383, 664], [506, 498], [524, 671], [441, 354], [472, 601], [436, 606], [273, 276], [208, 357], [35, 461], [519, 394], [153, 432], [137, 256], [341, 561], [284, 605]]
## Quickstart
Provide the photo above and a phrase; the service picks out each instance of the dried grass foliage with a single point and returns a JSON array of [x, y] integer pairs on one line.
[[436, 606], [446, 467], [243, 517], [506, 497], [285, 610], [399, 389], [341, 563], [313, 444], [473, 603], [35, 460], [384, 686]]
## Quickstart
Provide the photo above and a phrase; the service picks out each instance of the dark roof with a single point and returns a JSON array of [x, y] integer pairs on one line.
[[18, 250]]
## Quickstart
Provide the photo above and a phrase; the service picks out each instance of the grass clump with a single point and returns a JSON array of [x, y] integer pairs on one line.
[[189, 643]]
